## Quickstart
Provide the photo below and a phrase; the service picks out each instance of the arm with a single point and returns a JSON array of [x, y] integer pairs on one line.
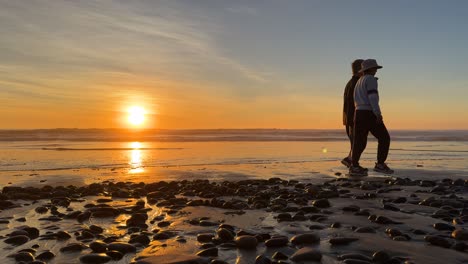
[[373, 95]]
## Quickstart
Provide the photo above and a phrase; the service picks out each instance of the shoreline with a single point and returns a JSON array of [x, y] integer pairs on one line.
[[237, 221]]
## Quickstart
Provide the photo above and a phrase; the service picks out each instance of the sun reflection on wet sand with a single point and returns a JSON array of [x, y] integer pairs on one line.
[[136, 165]]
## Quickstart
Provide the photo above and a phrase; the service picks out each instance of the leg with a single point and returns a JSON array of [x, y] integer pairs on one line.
[[361, 130], [380, 132], [349, 132]]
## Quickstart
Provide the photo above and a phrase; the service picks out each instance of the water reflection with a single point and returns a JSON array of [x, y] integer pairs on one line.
[[136, 165]]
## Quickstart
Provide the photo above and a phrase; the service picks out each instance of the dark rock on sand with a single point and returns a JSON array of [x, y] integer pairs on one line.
[[356, 256], [225, 234], [355, 261], [380, 257], [73, 247], [279, 255], [123, 248], [209, 252], [279, 241], [98, 247], [95, 258], [460, 234], [246, 242], [115, 255], [443, 226], [365, 229], [307, 254], [438, 241], [17, 240], [46, 255], [24, 256], [204, 238], [261, 259], [142, 239], [321, 203], [308, 238]]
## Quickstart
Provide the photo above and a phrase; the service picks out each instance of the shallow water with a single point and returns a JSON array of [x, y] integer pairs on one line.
[[69, 162]]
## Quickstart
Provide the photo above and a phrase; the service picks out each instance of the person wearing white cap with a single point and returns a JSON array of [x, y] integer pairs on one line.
[[348, 107], [368, 118]]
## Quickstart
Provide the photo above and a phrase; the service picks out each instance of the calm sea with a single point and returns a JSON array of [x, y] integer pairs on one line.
[[85, 155]]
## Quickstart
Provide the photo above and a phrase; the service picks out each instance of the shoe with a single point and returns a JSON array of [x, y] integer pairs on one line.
[[346, 161], [383, 168], [357, 171]]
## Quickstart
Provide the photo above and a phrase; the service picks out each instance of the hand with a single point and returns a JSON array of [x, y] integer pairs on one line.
[[379, 119]]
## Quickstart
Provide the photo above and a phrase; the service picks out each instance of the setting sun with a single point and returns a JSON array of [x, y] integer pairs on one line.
[[136, 115]]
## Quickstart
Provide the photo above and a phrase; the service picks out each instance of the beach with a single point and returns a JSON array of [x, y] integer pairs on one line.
[[231, 201]]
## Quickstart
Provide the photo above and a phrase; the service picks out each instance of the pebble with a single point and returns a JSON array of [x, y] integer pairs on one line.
[[46, 255], [306, 254], [262, 259], [321, 203], [142, 239], [17, 240], [98, 247], [209, 252], [380, 257], [24, 256], [204, 238], [73, 247], [438, 241], [365, 229], [443, 226], [460, 234], [279, 255], [280, 241], [354, 256], [115, 255], [246, 242], [225, 234], [308, 238], [123, 248]]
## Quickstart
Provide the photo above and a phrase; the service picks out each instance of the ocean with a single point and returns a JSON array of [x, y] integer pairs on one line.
[[82, 156]]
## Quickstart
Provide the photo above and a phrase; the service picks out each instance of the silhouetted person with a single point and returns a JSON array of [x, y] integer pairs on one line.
[[368, 118], [348, 107]]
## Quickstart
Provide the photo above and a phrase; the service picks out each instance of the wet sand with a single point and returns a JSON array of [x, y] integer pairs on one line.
[[338, 220]]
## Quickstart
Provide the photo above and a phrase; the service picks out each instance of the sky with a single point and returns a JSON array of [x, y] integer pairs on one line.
[[229, 64]]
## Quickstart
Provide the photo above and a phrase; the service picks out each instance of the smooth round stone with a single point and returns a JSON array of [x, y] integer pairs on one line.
[[41, 210], [246, 242], [115, 255], [261, 259], [321, 203], [438, 241], [164, 224], [19, 233], [342, 240], [209, 252], [307, 254], [46, 255], [365, 229], [98, 247], [62, 235], [204, 238], [380, 256], [24, 256], [123, 248], [308, 238], [279, 255], [316, 227], [277, 242], [460, 234], [225, 234], [142, 239], [73, 247], [207, 223], [95, 258], [443, 226], [17, 240], [96, 229], [354, 256]]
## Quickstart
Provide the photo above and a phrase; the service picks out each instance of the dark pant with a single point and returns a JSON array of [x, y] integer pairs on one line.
[[364, 122], [349, 132]]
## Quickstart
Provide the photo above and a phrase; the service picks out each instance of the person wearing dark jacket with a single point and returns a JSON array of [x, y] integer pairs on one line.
[[348, 107]]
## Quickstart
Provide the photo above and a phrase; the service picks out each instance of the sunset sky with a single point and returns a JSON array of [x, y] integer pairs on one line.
[[229, 64]]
